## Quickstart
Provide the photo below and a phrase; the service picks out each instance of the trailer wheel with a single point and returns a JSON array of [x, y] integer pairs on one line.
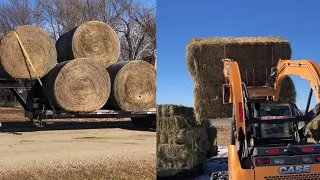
[[148, 122]]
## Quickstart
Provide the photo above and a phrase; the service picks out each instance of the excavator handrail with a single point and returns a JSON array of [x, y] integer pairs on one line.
[[306, 69]]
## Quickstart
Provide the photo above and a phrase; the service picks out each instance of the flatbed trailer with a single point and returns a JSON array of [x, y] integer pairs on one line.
[[39, 108]]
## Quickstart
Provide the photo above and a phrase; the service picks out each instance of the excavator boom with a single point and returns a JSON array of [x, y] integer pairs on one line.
[[306, 69], [232, 74]]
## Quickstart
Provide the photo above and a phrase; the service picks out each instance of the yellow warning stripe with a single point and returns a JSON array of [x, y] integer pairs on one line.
[[27, 57]]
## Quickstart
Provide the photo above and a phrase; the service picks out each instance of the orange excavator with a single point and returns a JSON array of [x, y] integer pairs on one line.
[[269, 139]]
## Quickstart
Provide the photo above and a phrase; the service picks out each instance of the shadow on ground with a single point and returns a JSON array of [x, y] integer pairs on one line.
[[18, 127]]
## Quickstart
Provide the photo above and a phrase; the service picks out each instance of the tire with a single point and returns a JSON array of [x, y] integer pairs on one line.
[[144, 122]]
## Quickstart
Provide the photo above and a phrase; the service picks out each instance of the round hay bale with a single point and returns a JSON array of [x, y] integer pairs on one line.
[[80, 85], [3, 73], [93, 39], [39, 47], [133, 86]]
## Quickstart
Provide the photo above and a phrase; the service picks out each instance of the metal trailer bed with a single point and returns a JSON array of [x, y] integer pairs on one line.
[[37, 111]]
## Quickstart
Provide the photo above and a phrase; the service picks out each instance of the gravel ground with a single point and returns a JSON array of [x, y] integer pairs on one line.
[[71, 144]]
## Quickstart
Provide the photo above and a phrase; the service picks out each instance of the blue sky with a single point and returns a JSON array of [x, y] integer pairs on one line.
[[180, 21]]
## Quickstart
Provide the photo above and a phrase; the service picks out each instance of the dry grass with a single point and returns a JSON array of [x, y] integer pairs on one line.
[[126, 169], [8, 114]]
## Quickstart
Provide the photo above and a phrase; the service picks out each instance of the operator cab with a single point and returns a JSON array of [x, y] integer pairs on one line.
[[273, 133], [273, 122]]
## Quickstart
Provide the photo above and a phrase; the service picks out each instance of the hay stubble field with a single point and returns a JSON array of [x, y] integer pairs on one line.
[[112, 149]]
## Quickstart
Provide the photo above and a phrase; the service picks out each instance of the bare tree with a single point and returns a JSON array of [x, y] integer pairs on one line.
[[16, 13], [63, 15], [133, 21], [137, 33]]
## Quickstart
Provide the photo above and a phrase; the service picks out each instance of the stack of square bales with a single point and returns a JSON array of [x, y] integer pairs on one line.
[[255, 57], [182, 142]]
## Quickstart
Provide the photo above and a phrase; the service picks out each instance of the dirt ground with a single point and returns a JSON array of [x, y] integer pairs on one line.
[[74, 146], [12, 114]]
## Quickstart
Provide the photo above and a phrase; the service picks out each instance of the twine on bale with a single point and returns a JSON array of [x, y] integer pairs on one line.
[[27, 57], [37, 75]]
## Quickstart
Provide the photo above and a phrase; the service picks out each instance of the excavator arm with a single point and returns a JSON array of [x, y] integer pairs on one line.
[[306, 69], [232, 74]]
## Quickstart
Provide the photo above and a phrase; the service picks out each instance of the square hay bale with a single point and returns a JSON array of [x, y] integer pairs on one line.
[[169, 110], [182, 143], [208, 102], [200, 136], [208, 99], [195, 138], [172, 156], [173, 123], [254, 55]]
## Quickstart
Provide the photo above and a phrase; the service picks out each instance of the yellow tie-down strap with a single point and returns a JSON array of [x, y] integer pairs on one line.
[[27, 57]]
